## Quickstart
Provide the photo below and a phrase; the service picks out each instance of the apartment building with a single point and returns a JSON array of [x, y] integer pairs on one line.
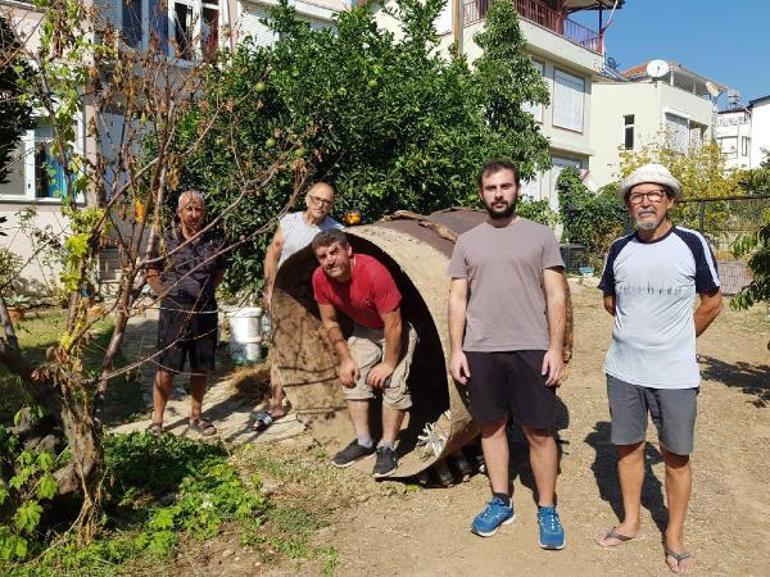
[[665, 103], [570, 57]]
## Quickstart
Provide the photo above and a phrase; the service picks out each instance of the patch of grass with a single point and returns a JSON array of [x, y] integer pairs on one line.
[[43, 328], [200, 492]]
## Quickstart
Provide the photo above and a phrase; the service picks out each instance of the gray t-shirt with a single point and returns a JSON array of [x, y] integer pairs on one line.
[[504, 267], [297, 233]]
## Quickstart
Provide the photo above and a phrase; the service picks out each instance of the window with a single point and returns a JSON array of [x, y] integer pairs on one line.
[[729, 146], [182, 17], [132, 20], [745, 145], [536, 110], [568, 100], [49, 179], [677, 132], [191, 25], [628, 131], [35, 170], [15, 185]]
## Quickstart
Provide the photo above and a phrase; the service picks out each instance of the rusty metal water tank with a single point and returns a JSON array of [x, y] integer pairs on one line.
[[416, 250]]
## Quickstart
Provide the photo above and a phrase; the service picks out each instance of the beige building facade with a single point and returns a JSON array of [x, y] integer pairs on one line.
[[676, 109]]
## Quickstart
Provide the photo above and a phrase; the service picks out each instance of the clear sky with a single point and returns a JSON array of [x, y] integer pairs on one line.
[[725, 40]]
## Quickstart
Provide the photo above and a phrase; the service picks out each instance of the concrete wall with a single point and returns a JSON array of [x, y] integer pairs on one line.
[[41, 274], [760, 133]]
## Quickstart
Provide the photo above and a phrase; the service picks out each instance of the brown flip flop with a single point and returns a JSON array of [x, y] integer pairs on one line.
[[613, 534]]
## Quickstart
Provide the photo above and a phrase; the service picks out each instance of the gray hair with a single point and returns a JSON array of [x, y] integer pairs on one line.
[[191, 193]]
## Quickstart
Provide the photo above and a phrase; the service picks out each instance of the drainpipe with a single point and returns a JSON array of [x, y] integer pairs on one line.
[[457, 22], [601, 31]]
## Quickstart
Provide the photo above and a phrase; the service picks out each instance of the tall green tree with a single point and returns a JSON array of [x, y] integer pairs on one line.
[[15, 107], [392, 122]]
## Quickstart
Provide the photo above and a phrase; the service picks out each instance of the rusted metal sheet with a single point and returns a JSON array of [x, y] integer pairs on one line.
[[416, 250]]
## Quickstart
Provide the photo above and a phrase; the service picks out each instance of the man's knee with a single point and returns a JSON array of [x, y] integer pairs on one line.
[[674, 462], [538, 437], [163, 379], [494, 428]]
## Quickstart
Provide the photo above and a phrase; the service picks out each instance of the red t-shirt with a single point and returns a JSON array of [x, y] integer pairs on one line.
[[371, 292]]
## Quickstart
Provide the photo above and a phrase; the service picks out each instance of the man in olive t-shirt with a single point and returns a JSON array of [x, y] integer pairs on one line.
[[507, 317]]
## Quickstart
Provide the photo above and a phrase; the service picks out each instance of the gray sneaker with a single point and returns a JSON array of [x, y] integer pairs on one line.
[[386, 463], [350, 454]]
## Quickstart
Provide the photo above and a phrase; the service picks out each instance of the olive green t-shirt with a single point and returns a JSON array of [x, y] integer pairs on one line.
[[504, 267]]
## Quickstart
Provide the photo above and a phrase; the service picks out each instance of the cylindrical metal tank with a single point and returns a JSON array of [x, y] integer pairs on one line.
[[416, 250]]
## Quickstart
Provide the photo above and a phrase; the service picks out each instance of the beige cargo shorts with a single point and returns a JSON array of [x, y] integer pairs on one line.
[[367, 347]]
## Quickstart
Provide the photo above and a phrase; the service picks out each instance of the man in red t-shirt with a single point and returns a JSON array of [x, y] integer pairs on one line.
[[377, 356]]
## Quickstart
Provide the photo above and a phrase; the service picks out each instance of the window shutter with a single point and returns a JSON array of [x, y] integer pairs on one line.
[[251, 26], [568, 100], [678, 132]]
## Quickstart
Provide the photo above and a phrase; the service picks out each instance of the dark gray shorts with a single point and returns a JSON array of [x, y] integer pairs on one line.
[[672, 410]]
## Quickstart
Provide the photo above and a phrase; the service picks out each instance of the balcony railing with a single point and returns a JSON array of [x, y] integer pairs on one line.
[[535, 11]]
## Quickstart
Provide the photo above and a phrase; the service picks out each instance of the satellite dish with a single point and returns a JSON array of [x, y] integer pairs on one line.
[[657, 68], [712, 89]]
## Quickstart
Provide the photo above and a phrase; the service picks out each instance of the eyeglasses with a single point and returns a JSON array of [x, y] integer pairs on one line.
[[652, 195], [320, 201]]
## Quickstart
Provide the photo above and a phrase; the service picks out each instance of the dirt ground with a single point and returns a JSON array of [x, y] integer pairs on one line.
[[425, 532], [392, 528]]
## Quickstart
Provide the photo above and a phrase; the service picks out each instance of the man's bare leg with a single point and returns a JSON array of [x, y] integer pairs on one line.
[[678, 487], [197, 390], [359, 414], [631, 475], [391, 424], [161, 391], [494, 444], [544, 459]]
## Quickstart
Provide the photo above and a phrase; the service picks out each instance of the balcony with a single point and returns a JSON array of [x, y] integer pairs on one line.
[[537, 12]]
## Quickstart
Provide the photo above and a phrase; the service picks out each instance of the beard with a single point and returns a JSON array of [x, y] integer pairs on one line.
[[648, 224], [501, 214]]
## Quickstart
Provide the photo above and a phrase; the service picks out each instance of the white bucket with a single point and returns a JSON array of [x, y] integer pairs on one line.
[[245, 336]]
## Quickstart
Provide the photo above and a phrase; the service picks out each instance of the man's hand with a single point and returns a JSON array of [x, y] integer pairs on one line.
[[553, 366], [349, 373], [379, 375], [458, 366]]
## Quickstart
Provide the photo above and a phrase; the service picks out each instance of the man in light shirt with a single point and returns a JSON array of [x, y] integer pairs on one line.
[[295, 231], [650, 282]]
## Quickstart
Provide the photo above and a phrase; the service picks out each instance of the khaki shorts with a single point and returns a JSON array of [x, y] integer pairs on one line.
[[367, 347]]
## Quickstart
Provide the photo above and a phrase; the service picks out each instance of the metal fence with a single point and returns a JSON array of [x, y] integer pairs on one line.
[[723, 221]]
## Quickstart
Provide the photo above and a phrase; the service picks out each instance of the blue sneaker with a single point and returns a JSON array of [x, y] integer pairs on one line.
[[551, 532], [496, 513]]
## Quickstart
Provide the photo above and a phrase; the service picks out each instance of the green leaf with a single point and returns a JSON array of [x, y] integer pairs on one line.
[[46, 487]]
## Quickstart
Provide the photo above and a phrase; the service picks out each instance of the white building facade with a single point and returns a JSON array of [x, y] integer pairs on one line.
[[760, 130], [733, 134]]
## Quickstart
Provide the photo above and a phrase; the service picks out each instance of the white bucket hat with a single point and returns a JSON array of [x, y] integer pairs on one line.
[[655, 173]]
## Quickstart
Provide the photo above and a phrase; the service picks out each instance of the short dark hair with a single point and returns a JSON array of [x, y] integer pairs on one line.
[[328, 238], [496, 165]]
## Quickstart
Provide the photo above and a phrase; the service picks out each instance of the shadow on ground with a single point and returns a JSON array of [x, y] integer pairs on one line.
[[606, 474], [753, 380]]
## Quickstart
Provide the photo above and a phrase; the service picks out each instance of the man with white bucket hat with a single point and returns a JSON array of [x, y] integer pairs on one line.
[[649, 282]]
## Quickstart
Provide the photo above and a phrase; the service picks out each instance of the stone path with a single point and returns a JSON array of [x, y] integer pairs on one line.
[[229, 404]]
